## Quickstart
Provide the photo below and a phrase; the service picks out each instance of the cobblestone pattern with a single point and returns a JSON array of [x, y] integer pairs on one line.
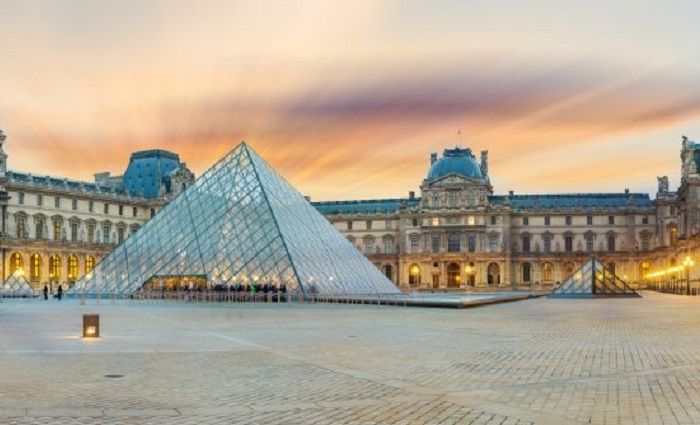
[[539, 361]]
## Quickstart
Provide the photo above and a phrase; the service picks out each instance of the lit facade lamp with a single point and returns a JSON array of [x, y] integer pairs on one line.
[[91, 325]]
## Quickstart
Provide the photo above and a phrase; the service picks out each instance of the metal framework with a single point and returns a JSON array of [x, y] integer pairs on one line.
[[593, 280]]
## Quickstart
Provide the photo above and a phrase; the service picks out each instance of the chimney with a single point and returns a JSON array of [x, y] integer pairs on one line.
[[433, 158], [411, 195], [511, 193], [485, 163], [627, 191]]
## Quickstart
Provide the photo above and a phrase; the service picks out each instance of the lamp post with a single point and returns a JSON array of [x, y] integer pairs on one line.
[[687, 264]]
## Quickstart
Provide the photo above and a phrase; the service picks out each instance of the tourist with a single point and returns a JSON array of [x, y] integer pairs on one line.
[[60, 292], [46, 292]]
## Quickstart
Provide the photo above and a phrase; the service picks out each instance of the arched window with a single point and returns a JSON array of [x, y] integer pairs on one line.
[[453, 275], [494, 274], [527, 269], [89, 264], [611, 267], [35, 268], [547, 272], [72, 268], [54, 267], [369, 244], [611, 242], [568, 270], [16, 263], [673, 234], [414, 275]]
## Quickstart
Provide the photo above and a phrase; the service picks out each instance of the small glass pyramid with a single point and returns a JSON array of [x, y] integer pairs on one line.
[[240, 222], [593, 280], [16, 285]]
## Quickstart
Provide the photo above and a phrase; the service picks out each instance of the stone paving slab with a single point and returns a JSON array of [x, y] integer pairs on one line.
[[544, 361]]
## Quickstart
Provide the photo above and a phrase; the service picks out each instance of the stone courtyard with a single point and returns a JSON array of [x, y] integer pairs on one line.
[[544, 361]]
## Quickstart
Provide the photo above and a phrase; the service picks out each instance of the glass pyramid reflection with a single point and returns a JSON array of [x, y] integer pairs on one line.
[[593, 280], [16, 285], [240, 222]]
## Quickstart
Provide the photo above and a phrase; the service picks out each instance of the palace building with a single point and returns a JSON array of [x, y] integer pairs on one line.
[[456, 235], [55, 229]]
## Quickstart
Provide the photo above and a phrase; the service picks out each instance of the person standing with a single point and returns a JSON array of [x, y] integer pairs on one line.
[[60, 292], [46, 292]]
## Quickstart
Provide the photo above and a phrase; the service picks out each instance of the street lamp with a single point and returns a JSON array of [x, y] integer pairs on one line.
[[687, 263]]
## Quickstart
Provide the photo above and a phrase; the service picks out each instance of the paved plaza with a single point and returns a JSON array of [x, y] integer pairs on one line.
[[613, 361]]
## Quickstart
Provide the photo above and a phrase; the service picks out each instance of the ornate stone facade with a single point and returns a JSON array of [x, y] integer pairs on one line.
[[459, 235], [56, 229]]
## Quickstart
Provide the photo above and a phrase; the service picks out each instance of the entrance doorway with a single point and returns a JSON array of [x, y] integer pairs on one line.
[[453, 277]]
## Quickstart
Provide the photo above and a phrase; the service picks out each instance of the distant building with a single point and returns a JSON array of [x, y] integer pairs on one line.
[[458, 234], [56, 229]]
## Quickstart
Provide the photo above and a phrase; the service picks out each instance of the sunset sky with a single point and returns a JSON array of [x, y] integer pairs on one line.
[[348, 98]]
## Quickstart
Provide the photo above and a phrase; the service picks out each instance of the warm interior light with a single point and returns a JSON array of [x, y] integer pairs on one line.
[[91, 326]]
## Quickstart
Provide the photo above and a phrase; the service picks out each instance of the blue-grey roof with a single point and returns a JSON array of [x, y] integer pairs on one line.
[[459, 161], [147, 172], [372, 206], [61, 184], [520, 202], [574, 200]]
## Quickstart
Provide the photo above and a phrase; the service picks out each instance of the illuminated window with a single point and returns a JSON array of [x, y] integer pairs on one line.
[[436, 221], [547, 269], [471, 220], [89, 263], [72, 268], [35, 268], [54, 267], [16, 263]]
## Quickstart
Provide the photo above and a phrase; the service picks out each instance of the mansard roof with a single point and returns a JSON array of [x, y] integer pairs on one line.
[[369, 206], [518, 202], [61, 184]]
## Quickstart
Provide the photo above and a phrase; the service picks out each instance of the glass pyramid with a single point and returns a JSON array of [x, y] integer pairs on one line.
[[16, 285], [593, 280], [240, 222]]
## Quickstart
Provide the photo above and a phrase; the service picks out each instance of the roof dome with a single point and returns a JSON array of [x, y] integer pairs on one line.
[[457, 161]]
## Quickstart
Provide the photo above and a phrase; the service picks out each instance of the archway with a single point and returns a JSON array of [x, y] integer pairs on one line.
[[453, 275], [494, 274], [72, 268], [414, 276], [527, 273], [16, 263], [547, 272], [568, 270], [54, 267], [89, 264], [35, 268]]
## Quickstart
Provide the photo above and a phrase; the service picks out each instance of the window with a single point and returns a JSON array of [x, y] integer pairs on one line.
[[21, 228], [645, 220], [590, 237], [91, 206], [526, 221], [453, 243], [493, 243], [414, 275], [20, 198], [105, 208], [74, 204], [436, 243], [349, 222], [526, 243], [471, 243], [121, 209], [72, 268], [368, 223], [415, 244], [369, 245], [54, 267], [547, 239], [89, 264], [120, 234], [389, 245], [568, 220], [611, 243], [645, 242], [453, 199], [526, 272], [39, 229], [105, 233], [388, 224], [547, 221], [436, 221], [471, 220], [16, 263], [589, 220], [673, 210], [414, 222], [134, 212], [57, 202], [57, 225], [547, 269], [40, 200], [153, 212], [568, 243], [493, 220], [35, 268], [611, 219], [673, 235], [91, 233], [74, 232]]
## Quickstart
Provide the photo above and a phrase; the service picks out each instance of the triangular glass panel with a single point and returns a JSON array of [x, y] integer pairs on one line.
[[593, 280]]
